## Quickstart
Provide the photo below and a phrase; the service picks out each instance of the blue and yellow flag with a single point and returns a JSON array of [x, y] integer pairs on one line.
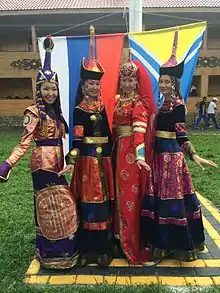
[[154, 48]]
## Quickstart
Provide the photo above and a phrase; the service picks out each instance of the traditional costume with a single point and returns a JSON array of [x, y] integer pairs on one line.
[[171, 214], [55, 209], [92, 182], [133, 131]]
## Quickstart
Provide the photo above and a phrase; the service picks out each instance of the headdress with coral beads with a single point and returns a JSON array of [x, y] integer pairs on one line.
[[129, 69]]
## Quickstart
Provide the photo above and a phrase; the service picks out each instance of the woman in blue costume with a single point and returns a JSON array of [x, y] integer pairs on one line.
[[171, 215], [55, 208]]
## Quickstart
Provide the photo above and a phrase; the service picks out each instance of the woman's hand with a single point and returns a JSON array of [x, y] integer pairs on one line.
[[142, 164], [68, 169], [200, 161]]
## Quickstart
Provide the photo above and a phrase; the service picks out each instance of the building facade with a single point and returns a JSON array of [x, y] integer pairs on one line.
[[20, 27]]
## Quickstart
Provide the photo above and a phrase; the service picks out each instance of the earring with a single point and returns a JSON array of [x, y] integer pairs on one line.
[[84, 91]]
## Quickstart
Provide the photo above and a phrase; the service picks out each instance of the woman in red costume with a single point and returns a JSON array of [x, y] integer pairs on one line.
[[132, 128], [90, 159]]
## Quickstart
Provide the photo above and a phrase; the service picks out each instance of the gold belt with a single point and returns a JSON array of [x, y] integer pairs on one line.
[[124, 130], [95, 140], [166, 134]]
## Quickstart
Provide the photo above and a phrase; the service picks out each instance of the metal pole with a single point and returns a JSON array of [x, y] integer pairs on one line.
[[135, 16]]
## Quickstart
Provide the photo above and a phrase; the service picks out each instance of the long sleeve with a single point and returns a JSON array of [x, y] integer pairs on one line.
[[78, 133], [181, 133], [114, 134], [139, 123], [30, 123]]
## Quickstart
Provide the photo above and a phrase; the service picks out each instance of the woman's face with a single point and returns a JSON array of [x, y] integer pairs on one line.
[[91, 88], [128, 84], [49, 92], [165, 85]]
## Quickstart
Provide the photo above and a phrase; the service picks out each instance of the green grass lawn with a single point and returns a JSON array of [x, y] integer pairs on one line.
[[207, 182], [17, 236]]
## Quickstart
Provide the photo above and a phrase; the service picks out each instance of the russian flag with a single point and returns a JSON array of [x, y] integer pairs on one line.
[[66, 61]]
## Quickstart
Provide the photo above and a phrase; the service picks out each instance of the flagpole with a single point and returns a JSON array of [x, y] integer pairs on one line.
[[135, 16]]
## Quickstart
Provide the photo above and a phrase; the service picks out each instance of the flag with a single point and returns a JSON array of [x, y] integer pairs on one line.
[[66, 61], [154, 48]]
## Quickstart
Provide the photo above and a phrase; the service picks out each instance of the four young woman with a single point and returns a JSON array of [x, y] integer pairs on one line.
[[156, 213]]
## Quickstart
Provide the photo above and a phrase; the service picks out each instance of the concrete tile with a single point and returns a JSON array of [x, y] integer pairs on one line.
[[212, 263], [62, 280], [89, 280], [34, 268], [199, 281], [216, 280], [199, 263], [172, 281], [204, 272], [169, 263], [119, 262], [38, 280], [143, 280], [123, 281]]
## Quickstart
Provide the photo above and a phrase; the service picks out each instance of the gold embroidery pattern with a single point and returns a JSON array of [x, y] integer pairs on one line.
[[27, 119], [56, 212], [135, 189], [130, 205], [130, 158], [124, 175]]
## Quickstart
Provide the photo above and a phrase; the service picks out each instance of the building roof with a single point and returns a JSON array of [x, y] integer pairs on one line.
[[19, 5]]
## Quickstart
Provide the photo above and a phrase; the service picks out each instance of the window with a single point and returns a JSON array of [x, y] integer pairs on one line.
[[195, 90], [213, 37], [20, 42], [214, 85], [16, 89]]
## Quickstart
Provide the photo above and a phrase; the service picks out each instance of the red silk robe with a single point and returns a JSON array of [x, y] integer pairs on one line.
[[132, 120]]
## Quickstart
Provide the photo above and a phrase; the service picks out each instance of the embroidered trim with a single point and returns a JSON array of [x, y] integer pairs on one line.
[[95, 140], [78, 131], [124, 130], [180, 127], [27, 119], [140, 152], [139, 129], [62, 262], [72, 156], [166, 134], [139, 123], [96, 226], [188, 149]]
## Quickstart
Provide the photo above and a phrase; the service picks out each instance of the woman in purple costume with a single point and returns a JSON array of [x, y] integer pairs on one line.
[[171, 213], [55, 209]]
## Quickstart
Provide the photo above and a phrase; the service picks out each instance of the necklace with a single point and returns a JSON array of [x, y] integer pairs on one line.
[[168, 105], [124, 101], [95, 106]]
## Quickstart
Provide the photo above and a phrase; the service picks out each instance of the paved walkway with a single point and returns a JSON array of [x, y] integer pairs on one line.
[[205, 271]]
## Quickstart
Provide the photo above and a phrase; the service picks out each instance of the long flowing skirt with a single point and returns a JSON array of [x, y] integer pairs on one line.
[[129, 197], [171, 215], [56, 221], [95, 200]]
